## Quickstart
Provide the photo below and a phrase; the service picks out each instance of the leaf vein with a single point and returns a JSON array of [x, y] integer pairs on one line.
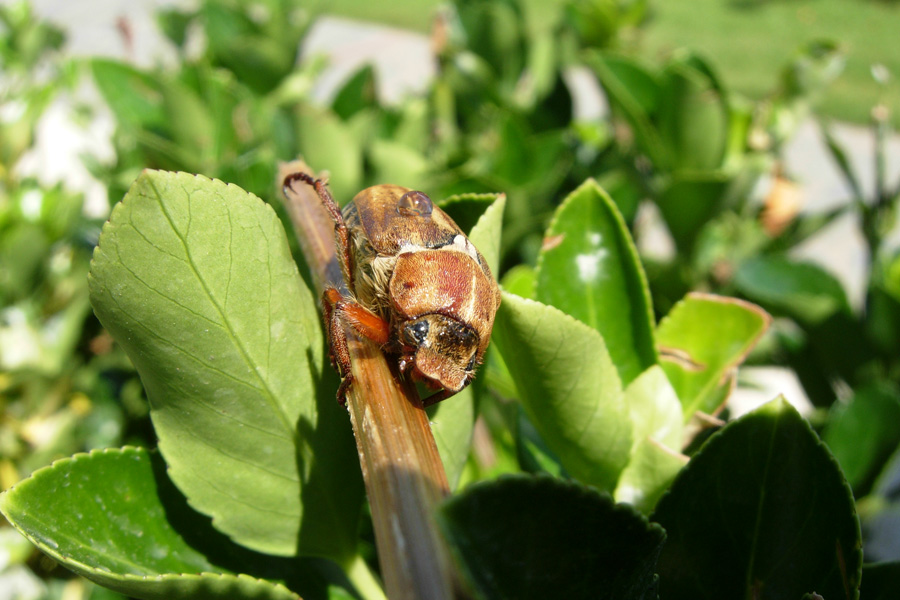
[[254, 368]]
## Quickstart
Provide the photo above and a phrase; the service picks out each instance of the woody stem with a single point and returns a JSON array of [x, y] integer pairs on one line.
[[403, 473]]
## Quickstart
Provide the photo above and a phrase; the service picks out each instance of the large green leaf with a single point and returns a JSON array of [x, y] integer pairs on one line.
[[701, 340], [589, 268], [761, 511], [537, 537], [106, 515], [862, 433], [656, 417], [195, 280], [803, 291], [568, 386]]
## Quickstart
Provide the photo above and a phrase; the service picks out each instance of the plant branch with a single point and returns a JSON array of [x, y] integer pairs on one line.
[[403, 473]]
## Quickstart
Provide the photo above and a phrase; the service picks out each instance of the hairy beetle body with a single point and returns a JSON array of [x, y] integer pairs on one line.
[[417, 286]]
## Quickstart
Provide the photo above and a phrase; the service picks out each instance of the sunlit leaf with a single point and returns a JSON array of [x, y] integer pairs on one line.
[[106, 515], [195, 280], [702, 339], [589, 269], [568, 386], [656, 418]]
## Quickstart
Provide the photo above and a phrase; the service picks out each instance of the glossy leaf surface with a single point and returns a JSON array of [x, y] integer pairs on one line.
[[589, 269], [761, 511], [105, 515], [537, 537], [701, 340], [568, 386], [195, 280]]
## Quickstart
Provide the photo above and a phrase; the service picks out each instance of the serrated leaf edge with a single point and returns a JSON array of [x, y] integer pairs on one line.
[[101, 573]]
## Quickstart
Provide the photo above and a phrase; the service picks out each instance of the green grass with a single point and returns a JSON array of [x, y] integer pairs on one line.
[[747, 41]]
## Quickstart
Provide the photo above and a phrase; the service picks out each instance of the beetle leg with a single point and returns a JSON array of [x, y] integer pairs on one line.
[[338, 310], [442, 395], [341, 233]]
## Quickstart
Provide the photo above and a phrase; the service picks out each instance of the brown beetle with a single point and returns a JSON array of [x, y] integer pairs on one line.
[[417, 287]]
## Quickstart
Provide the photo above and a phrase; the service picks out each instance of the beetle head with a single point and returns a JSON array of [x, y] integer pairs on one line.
[[444, 350]]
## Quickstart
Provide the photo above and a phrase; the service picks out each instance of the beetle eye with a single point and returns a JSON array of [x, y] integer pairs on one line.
[[414, 204], [417, 332]]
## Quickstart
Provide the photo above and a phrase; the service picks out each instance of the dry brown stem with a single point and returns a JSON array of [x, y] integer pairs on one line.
[[403, 473]]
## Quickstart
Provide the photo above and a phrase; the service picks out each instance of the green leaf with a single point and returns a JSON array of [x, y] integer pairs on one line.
[[862, 433], [881, 581], [532, 452], [485, 234], [634, 92], [452, 423], [397, 163], [520, 280], [589, 268], [656, 419], [568, 386], [259, 47], [105, 516], [761, 511], [358, 93], [195, 280], [689, 201], [802, 291], [702, 339], [191, 123], [135, 98], [537, 537], [693, 116], [481, 215], [325, 142]]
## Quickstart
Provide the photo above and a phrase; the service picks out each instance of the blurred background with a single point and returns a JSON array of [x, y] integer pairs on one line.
[[748, 144]]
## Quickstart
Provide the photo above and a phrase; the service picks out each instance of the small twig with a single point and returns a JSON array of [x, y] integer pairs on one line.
[[403, 473]]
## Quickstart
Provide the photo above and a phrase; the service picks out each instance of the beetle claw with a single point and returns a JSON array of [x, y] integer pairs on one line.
[[343, 389]]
